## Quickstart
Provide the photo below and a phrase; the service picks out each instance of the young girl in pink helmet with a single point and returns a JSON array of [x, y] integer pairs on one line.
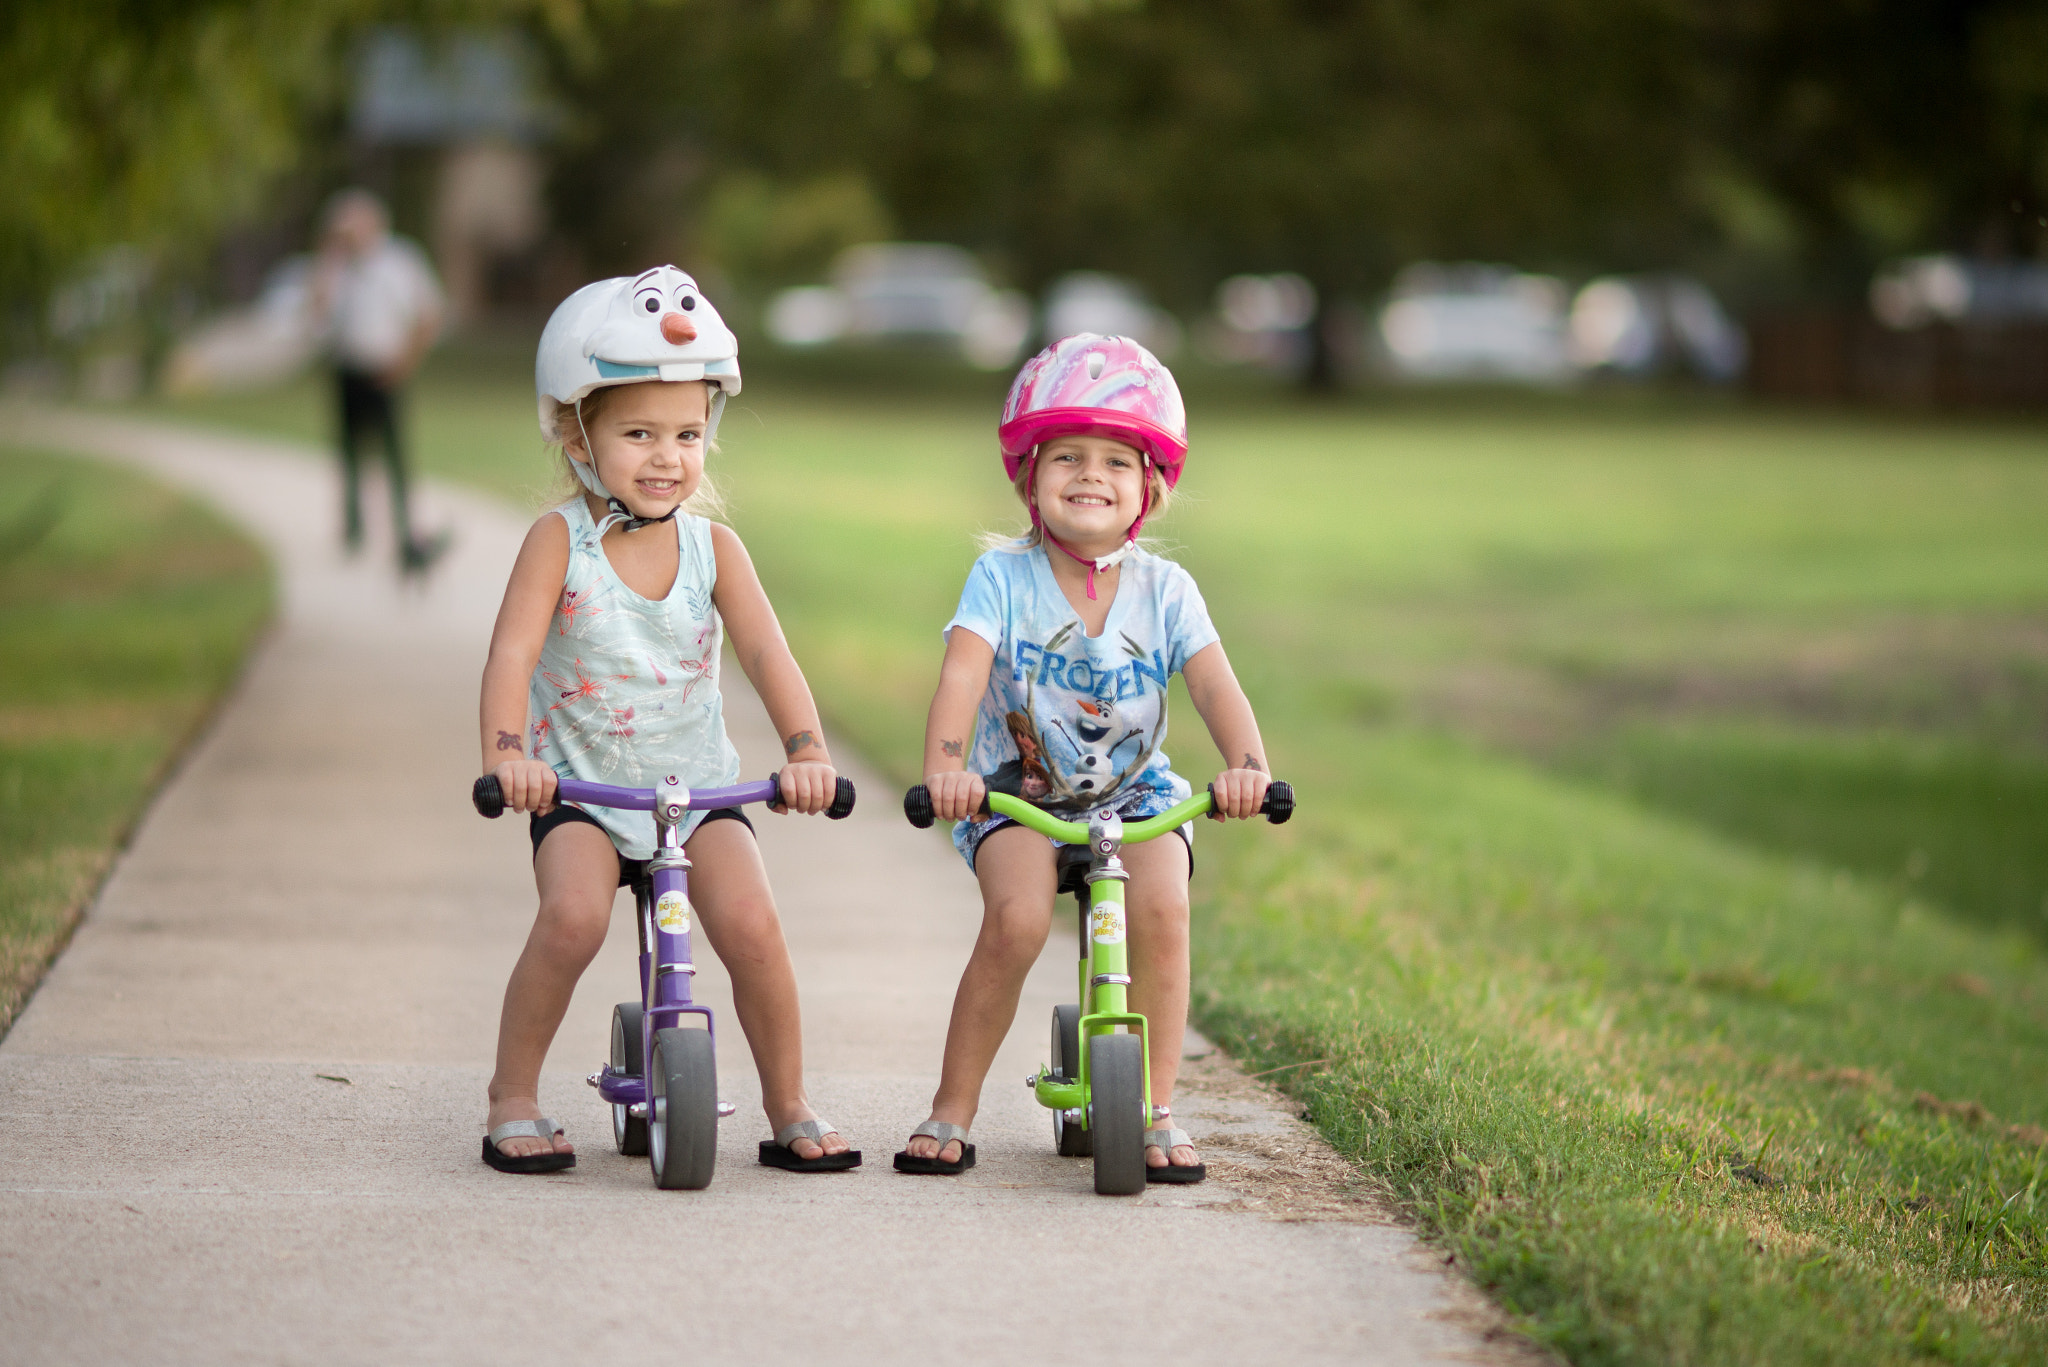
[[1054, 685]]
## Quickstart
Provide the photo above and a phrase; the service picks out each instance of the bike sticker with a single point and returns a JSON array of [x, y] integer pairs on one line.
[[1107, 923], [672, 913]]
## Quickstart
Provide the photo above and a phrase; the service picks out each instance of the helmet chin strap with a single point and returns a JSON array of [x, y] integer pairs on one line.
[[586, 472], [1101, 564]]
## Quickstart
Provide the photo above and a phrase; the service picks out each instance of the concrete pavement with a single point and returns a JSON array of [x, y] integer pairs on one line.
[[242, 1112]]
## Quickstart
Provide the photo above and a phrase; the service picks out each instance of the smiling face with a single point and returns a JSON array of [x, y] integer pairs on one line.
[[649, 442], [1088, 491]]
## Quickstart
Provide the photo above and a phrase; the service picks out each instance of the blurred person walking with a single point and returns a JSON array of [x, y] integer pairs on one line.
[[379, 306]]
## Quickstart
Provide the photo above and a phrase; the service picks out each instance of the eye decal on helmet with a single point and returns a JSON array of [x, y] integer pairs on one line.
[[688, 302], [651, 303]]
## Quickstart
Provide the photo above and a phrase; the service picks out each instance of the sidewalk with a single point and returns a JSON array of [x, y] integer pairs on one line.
[[243, 1110]]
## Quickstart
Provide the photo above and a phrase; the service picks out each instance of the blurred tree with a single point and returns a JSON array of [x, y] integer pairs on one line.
[[1786, 144], [153, 124]]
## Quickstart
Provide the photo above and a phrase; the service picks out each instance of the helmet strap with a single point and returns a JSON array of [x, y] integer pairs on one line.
[[586, 472]]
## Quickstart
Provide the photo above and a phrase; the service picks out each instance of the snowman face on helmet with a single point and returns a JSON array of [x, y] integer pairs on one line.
[[653, 321], [656, 325]]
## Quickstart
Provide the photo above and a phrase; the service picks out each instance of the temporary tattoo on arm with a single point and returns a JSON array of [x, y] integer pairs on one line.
[[802, 740], [508, 741], [951, 747], [1251, 762]]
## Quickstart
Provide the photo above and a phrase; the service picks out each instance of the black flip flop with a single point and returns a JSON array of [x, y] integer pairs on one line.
[[526, 1163], [936, 1166], [1166, 1141], [776, 1152]]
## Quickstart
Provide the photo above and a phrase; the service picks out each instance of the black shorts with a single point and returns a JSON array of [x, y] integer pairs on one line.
[[631, 871], [996, 823]]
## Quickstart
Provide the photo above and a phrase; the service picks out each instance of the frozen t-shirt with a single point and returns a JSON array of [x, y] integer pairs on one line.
[[1075, 722]]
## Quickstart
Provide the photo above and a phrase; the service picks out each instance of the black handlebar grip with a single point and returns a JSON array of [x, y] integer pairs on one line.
[[488, 797], [1279, 803], [842, 801], [917, 807]]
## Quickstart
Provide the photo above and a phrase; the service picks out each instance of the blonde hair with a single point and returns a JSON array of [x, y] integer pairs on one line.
[[708, 500], [1032, 536]]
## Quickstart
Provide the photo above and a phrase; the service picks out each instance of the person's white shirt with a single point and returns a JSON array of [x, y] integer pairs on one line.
[[378, 298]]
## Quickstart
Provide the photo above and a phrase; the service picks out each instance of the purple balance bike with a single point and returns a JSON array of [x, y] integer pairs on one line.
[[662, 1081]]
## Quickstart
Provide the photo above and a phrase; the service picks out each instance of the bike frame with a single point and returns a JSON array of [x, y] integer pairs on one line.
[[1105, 954], [662, 909]]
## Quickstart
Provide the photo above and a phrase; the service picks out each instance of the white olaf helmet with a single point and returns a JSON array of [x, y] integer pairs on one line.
[[653, 326]]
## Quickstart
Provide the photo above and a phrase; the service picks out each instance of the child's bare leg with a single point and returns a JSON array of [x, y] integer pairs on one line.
[[1156, 903], [1015, 869], [577, 872], [729, 887]]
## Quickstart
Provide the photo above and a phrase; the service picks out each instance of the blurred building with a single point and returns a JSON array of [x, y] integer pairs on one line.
[[473, 102]]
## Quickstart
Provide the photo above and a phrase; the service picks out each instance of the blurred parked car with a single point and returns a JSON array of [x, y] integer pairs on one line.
[[1475, 322], [266, 342], [907, 291], [1090, 301], [1262, 320], [1954, 289], [1655, 324]]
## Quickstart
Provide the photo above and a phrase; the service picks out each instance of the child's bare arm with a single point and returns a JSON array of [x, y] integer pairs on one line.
[[523, 618], [808, 779], [1214, 690], [949, 726]]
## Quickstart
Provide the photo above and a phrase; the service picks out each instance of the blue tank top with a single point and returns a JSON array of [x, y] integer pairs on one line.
[[626, 690]]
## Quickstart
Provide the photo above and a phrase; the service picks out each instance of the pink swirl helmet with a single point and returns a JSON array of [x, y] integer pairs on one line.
[[1092, 383]]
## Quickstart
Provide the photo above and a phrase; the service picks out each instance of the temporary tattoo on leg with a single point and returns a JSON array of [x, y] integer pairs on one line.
[[802, 740], [1251, 762], [508, 741], [951, 747]]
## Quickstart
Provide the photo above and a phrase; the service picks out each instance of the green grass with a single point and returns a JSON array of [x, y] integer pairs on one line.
[[1663, 925], [124, 612]]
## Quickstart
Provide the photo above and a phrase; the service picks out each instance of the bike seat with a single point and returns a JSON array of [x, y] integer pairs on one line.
[[1072, 868]]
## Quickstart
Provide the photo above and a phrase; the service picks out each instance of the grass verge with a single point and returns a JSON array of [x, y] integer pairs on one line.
[[1601, 943], [125, 610]]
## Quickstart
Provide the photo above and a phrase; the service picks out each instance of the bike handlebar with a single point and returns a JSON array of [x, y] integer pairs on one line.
[[489, 797], [1277, 808]]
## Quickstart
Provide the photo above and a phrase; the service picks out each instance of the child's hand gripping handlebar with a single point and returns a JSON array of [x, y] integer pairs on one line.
[[1278, 806], [490, 798]]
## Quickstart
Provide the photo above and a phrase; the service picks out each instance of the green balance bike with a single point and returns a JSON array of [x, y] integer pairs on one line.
[[1099, 1084]]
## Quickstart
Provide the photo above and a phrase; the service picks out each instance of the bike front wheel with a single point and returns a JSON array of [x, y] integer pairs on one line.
[[629, 1134], [1072, 1141], [1116, 1103], [682, 1110]]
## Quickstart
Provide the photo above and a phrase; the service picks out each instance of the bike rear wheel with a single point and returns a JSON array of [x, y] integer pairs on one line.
[[1116, 1104], [628, 1133], [682, 1110], [1071, 1140]]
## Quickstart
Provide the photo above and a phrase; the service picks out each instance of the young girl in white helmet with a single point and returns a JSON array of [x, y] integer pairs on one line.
[[604, 667], [1054, 685]]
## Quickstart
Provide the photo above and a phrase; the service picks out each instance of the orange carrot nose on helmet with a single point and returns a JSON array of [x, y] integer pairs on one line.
[[1108, 386]]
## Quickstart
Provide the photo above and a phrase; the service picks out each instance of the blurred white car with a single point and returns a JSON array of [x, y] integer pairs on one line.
[[1475, 322], [1647, 324], [1262, 320], [1091, 301], [261, 344], [889, 291], [1953, 289]]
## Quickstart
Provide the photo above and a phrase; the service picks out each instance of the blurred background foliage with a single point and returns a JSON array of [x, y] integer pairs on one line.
[[1779, 148]]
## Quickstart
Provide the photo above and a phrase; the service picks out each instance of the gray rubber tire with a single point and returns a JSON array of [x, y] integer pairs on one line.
[[1116, 1099], [1071, 1140], [629, 1134], [682, 1110]]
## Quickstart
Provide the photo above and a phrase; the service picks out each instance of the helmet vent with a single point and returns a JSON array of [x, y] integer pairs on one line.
[[1095, 359]]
